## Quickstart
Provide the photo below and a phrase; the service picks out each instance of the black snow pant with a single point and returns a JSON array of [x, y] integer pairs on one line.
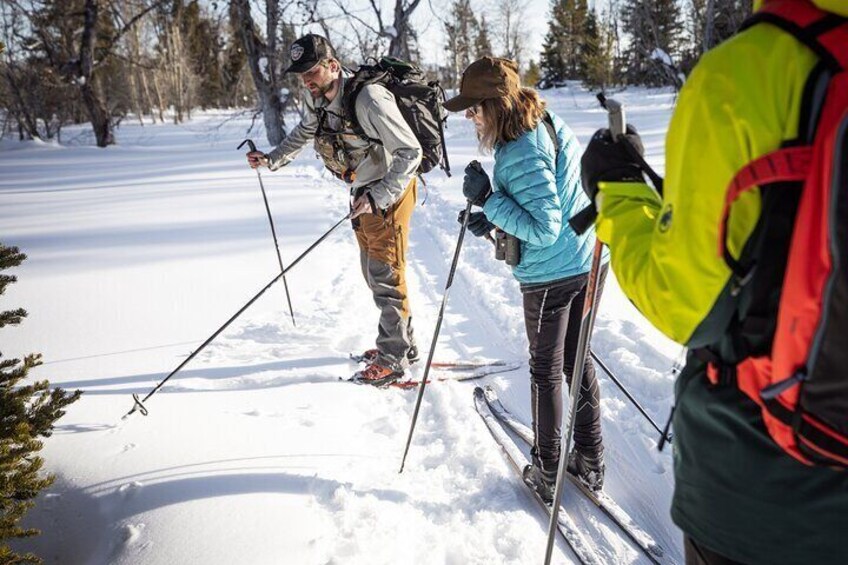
[[552, 315]]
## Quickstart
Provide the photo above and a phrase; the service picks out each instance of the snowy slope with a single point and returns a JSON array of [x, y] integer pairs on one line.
[[255, 452]]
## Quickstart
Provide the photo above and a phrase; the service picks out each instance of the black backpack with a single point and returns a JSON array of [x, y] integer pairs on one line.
[[420, 104]]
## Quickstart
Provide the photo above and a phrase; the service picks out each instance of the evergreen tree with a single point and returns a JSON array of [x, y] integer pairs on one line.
[[202, 41], [533, 74], [29, 412], [710, 23], [596, 61], [561, 51], [726, 18], [233, 67], [655, 28]]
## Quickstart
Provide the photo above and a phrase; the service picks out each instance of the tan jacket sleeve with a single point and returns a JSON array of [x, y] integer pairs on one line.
[[380, 118]]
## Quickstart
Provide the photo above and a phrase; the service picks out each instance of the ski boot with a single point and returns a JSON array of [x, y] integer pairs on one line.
[[377, 375], [588, 466], [536, 480], [370, 355]]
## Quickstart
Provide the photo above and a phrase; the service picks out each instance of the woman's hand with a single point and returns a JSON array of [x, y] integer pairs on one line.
[[478, 224], [476, 186]]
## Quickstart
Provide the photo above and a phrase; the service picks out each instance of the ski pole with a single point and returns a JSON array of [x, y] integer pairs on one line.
[[139, 404], [616, 114], [273, 231], [438, 327], [630, 397], [617, 127]]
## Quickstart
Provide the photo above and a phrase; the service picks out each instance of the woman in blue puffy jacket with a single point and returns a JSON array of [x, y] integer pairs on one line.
[[534, 191]]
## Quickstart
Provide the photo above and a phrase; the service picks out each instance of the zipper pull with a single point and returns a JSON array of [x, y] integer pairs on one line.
[[774, 390]]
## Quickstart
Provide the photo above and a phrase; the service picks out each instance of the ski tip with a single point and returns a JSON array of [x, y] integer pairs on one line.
[[490, 394]]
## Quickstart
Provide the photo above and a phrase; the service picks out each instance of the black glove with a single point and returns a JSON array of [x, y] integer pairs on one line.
[[609, 160], [476, 186], [477, 223]]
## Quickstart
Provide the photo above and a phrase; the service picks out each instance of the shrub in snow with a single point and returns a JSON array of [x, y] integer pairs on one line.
[[27, 412]]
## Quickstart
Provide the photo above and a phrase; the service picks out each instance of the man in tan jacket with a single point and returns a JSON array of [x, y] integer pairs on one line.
[[379, 168]]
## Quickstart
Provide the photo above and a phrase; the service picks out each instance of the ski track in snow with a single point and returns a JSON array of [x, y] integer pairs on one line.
[[256, 452]]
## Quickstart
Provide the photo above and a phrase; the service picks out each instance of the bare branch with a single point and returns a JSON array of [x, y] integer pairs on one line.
[[353, 16], [114, 39], [379, 14]]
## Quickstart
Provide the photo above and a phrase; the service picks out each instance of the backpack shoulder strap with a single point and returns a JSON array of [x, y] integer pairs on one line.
[[549, 125], [824, 33], [352, 89]]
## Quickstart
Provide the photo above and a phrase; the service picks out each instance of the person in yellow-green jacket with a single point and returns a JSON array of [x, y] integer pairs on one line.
[[739, 498]]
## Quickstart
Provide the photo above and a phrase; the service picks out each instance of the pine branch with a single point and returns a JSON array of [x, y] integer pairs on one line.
[[12, 317]]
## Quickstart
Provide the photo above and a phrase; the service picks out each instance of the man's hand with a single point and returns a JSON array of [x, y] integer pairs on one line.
[[362, 204], [478, 224], [606, 159], [257, 159], [476, 186]]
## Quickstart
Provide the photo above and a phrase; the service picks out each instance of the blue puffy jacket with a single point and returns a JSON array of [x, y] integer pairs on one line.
[[534, 196]]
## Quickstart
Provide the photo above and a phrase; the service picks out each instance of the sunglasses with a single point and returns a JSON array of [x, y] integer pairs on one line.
[[473, 111]]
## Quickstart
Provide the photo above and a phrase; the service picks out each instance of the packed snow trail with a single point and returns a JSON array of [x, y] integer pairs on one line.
[[255, 452]]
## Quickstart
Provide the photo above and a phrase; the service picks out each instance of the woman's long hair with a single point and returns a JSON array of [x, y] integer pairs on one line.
[[507, 118]]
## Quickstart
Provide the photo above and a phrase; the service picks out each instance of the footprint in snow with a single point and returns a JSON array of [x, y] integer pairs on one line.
[[129, 489], [307, 422], [131, 533]]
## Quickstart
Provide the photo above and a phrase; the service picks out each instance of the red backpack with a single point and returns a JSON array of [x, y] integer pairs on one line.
[[800, 380]]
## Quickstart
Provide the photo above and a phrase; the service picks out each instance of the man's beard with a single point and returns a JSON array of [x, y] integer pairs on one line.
[[322, 90]]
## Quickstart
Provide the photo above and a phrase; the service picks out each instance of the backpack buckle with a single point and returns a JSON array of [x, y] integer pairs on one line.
[[721, 374], [738, 282]]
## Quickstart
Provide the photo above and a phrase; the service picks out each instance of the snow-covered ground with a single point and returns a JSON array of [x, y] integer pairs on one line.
[[256, 452]]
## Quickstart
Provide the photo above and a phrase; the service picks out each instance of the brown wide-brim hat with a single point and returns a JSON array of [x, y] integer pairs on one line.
[[489, 77]]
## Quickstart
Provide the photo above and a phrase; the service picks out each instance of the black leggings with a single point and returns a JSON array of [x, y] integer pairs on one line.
[[552, 317]]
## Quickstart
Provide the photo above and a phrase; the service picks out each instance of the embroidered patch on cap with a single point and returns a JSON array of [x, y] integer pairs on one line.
[[296, 52]]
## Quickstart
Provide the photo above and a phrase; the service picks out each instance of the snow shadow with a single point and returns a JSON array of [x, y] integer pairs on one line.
[[214, 373]]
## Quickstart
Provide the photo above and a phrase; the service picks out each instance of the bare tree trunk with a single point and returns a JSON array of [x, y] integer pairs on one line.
[[262, 61], [133, 55], [100, 120], [160, 100], [708, 32], [134, 101], [400, 39], [145, 93], [173, 59]]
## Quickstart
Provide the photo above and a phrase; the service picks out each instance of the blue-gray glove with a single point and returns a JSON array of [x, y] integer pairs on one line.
[[476, 186]]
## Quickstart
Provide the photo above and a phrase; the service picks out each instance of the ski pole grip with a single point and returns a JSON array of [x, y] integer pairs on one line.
[[249, 144], [615, 109]]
